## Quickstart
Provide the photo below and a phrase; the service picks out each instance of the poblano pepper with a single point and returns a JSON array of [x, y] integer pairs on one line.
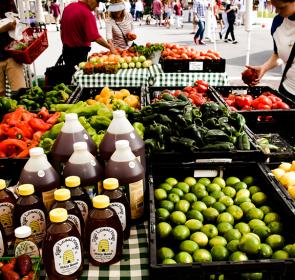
[[139, 128]]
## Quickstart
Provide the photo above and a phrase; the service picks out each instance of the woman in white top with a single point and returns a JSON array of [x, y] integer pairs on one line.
[[138, 10], [118, 25]]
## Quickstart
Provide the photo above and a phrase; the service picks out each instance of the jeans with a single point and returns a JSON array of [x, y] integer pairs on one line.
[[201, 29], [230, 30]]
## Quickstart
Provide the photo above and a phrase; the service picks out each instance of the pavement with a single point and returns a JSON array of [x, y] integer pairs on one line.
[[235, 55]]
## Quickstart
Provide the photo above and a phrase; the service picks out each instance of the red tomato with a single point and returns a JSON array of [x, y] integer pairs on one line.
[[246, 108], [262, 106], [177, 92], [198, 99], [281, 105], [231, 97], [230, 102], [264, 100], [243, 101], [188, 89], [201, 82], [202, 88]]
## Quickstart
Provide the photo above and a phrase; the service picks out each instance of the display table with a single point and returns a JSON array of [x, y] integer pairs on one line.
[[134, 264], [158, 78]]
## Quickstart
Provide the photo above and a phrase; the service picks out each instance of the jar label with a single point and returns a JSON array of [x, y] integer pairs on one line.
[[103, 244], [83, 207], [6, 217], [67, 255], [26, 247], [136, 199], [75, 220], [121, 212], [35, 219], [48, 199], [1, 245]]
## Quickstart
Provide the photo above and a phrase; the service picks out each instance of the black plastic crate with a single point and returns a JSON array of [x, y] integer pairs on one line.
[[255, 115], [198, 65], [271, 268]]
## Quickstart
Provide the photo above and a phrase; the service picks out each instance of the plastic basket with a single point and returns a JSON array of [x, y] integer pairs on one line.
[[30, 53]]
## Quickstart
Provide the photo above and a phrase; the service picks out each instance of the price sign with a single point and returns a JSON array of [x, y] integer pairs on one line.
[[196, 66]]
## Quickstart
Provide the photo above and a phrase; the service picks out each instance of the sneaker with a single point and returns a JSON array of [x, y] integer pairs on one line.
[[226, 41], [220, 36], [202, 43], [229, 40], [235, 42]]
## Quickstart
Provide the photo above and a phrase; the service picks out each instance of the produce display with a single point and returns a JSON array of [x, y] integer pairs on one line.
[[217, 219], [265, 101]]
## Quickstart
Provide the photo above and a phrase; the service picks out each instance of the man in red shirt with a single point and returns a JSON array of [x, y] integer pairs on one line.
[[78, 30]]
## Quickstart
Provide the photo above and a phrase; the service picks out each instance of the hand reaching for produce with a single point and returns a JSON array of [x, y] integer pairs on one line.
[[252, 75]]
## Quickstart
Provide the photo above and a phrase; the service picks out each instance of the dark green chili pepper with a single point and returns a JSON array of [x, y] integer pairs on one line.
[[221, 146]]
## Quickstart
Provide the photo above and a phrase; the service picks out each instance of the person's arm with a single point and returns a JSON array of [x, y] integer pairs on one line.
[[101, 41], [7, 27]]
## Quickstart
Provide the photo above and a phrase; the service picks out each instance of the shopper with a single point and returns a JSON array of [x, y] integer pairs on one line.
[[78, 30], [283, 34], [231, 11], [167, 13], [200, 9], [224, 20], [9, 68], [177, 11], [139, 11], [100, 13], [55, 11], [118, 25], [157, 8]]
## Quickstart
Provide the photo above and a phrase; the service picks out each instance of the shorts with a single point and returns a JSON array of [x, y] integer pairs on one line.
[[157, 17], [13, 72]]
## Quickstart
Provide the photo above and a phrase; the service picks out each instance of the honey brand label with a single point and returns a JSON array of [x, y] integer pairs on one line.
[[75, 220], [83, 207], [6, 217], [1, 245], [28, 248], [121, 212], [103, 244], [67, 255]]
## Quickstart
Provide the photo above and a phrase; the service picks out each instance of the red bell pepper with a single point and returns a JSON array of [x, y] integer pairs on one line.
[[25, 127], [38, 124], [15, 133], [43, 114], [53, 118], [11, 146], [15, 116]]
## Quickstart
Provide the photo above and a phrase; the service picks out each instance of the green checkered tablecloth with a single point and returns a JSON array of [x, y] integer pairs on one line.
[[160, 79], [134, 264]]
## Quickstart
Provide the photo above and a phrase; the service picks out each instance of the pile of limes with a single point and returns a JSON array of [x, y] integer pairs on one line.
[[216, 220]]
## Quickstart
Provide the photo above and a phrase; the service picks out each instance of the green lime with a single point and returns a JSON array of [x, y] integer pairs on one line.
[[239, 186], [292, 251], [229, 191], [202, 256], [242, 227], [220, 207], [163, 229], [233, 245], [199, 205], [209, 200], [219, 181], [180, 232], [212, 187], [271, 217], [200, 238], [183, 258], [165, 186], [265, 209], [167, 204], [241, 199], [265, 251], [226, 200], [217, 241], [178, 218], [262, 231], [182, 205], [165, 253], [193, 225], [243, 193], [204, 181], [173, 197], [188, 246], [275, 227], [249, 244], [219, 253], [280, 255], [195, 214], [232, 234], [254, 213], [160, 194], [253, 276], [254, 189], [249, 180], [289, 250], [198, 187], [225, 218], [224, 227], [210, 214], [235, 211], [217, 194], [182, 186], [259, 198], [171, 181], [255, 235], [190, 197], [230, 181], [255, 223], [275, 241], [162, 214], [210, 230], [190, 181], [246, 206], [201, 194], [169, 261], [177, 191], [238, 257]]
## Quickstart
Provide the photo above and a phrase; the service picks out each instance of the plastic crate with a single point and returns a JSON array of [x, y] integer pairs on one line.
[[272, 269], [255, 115], [30, 53], [200, 65]]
